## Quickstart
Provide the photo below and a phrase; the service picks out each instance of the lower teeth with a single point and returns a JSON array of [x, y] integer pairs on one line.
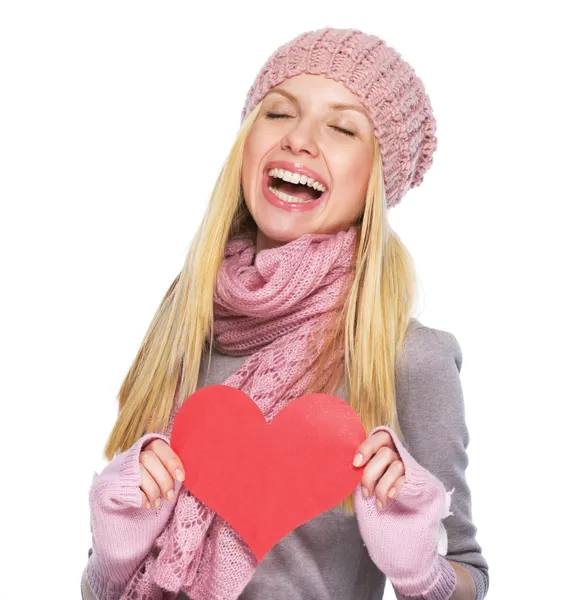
[[287, 197]]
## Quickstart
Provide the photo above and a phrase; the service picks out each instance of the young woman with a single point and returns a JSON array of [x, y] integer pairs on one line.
[[294, 284]]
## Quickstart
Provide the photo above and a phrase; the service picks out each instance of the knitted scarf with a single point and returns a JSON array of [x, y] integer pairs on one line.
[[271, 310]]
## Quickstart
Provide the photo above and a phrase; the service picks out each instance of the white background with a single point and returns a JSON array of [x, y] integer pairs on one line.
[[115, 120]]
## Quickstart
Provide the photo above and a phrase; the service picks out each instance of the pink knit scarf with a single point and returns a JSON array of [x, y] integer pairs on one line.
[[271, 310]]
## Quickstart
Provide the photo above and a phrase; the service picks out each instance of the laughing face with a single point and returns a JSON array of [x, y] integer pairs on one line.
[[306, 161]]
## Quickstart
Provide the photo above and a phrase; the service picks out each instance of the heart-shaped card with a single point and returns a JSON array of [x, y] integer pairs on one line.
[[267, 479]]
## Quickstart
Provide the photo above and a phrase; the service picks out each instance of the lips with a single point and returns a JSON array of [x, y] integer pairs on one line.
[[297, 168], [301, 207]]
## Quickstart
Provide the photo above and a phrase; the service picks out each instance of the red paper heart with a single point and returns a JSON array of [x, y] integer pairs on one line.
[[267, 479]]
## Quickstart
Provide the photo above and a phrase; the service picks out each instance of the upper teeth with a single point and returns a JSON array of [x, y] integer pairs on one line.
[[296, 178]]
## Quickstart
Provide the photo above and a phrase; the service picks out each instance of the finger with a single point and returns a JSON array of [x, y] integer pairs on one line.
[[370, 446], [153, 478], [159, 473], [388, 481], [148, 486], [395, 489], [145, 501], [376, 468], [168, 458]]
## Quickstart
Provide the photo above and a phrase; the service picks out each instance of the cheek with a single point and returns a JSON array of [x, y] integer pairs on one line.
[[353, 182], [249, 162], [255, 149], [360, 170]]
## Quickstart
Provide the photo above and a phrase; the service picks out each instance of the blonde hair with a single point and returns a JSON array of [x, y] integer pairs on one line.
[[370, 321]]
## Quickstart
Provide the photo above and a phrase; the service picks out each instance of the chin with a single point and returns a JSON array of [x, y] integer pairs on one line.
[[277, 236]]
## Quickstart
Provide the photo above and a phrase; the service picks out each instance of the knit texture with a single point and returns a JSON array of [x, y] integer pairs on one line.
[[310, 562], [274, 309], [402, 539], [387, 86], [114, 500]]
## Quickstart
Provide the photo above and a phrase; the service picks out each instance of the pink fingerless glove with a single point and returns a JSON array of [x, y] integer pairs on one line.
[[403, 538]]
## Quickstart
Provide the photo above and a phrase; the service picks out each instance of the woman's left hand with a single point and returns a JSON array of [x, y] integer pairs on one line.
[[384, 470], [403, 536]]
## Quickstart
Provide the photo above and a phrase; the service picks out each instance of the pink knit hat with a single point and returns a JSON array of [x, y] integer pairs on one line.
[[387, 87]]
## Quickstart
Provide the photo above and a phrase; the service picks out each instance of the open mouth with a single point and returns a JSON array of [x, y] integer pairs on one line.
[[297, 190]]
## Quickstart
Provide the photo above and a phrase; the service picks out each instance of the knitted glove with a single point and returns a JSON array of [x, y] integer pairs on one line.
[[402, 539], [123, 531]]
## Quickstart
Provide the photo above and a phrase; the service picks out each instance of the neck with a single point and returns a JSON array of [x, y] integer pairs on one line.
[[262, 242]]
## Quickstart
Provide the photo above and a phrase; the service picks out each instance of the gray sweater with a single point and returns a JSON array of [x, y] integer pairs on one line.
[[325, 558]]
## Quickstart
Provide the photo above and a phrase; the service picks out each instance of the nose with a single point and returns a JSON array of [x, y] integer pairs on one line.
[[301, 139]]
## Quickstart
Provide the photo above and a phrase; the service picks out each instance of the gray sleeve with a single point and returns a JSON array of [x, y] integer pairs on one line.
[[431, 412]]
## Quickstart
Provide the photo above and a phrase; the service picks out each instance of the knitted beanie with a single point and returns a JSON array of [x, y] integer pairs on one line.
[[386, 85]]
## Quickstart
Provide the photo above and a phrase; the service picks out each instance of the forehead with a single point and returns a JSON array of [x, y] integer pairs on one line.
[[310, 85], [311, 90]]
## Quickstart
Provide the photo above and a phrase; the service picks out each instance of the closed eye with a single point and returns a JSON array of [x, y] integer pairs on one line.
[[280, 116]]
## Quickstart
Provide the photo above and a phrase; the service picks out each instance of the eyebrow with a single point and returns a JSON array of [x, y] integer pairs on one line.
[[333, 106]]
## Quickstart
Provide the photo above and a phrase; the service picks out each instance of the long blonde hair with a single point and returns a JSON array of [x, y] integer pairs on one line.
[[370, 321]]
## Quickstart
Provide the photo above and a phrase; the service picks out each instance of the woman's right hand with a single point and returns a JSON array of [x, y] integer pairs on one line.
[[159, 466]]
